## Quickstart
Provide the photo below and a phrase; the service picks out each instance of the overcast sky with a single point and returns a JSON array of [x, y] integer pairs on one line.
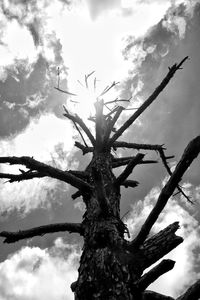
[[132, 42]]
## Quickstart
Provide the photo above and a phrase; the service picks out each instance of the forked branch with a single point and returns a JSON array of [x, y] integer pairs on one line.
[[128, 170], [12, 237], [80, 122], [42, 168], [160, 244], [148, 102], [190, 153]]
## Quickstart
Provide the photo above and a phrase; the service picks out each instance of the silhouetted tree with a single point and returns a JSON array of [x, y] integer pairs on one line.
[[110, 266]]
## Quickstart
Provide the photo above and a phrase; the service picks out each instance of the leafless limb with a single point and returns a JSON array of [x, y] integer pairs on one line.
[[148, 102], [128, 170], [122, 161], [158, 148], [163, 267], [164, 161], [112, 112], [136, 146], [23, 176], [83, 148], [118, 100], [190, 153], [65, 92], [108, 88], [50, 171], [77, 128], [130, 183], [112, 122], [12, 237], [80, 174], [157, 246], [86, 78], [76, 195], [80, 122]]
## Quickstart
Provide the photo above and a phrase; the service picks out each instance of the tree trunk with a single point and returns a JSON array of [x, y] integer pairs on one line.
[[109, 265]]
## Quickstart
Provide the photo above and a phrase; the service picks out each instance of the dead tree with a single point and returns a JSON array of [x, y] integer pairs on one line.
[[111, 267]]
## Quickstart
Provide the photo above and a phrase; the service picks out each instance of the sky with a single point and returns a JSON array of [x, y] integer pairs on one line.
[[130, 42]]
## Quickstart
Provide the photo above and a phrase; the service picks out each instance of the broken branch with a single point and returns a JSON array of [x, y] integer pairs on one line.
[[128, 170], [80, 122], [148, 102]]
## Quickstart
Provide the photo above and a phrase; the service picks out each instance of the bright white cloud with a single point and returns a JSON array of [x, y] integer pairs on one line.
[[174, 282], [34, 274], [41, 139]]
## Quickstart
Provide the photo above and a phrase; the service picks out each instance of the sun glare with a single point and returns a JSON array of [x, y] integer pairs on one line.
[[86, 93]]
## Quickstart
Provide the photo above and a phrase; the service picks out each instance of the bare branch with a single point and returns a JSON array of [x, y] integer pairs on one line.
[[23, 176], [112, 111], [108, 88], [50, 171], [120, 144], [164, 160], [65, 92], [12, 237], [112, 122], [128, 170], [158, 148], [118, 100], [80, 174], [118, 162], [158, 245], [86, 78], [192, 293], [190, 153], [76, 195], [77, 128], [130, 183], [148, 102], [80, 122], [163, 267], [84, 148]]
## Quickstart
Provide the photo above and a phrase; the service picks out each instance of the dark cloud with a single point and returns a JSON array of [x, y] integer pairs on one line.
[[28, 89], [174, 118], [26, 13], [34, 28]]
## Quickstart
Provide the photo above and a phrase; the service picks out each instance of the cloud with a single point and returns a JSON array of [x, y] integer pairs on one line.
[[97, 7], [32, 273], [173, 119], [184, 273], [49, 140]]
